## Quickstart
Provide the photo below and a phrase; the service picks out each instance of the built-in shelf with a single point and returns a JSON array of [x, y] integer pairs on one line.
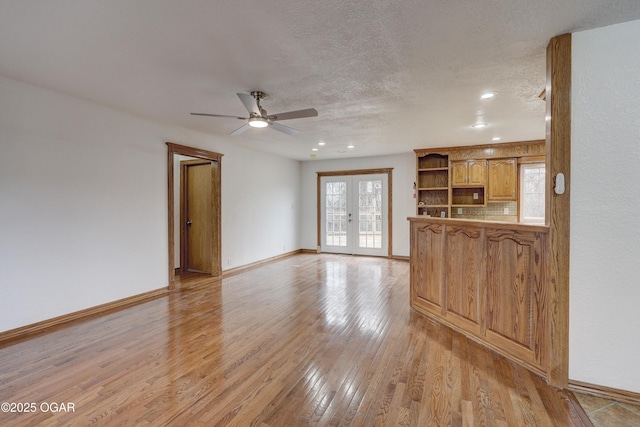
[[468, 196], [432, 182], [433, 169]]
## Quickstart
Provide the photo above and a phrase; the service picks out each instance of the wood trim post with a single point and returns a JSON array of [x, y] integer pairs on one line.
[[558, 160]]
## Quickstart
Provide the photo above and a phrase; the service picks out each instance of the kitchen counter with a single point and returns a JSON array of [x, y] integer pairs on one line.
[[487, 280], [478, 222]]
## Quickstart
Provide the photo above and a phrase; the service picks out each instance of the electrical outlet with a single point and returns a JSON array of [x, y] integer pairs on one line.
[[475, 196], [459, 211], [506, 211]]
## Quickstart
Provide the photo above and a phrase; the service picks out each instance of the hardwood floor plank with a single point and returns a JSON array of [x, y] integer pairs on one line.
[[323, 340]]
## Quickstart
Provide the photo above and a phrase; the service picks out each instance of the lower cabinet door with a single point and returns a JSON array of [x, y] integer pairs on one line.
[[465, 277], [427, 268], [516, 299]]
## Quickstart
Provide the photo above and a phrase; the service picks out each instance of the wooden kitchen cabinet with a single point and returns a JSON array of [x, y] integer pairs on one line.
[[468, 182], [503, 180], [517, 293], [468, 173], [458, 173], [427, 268], [465, 281], [486, 280]]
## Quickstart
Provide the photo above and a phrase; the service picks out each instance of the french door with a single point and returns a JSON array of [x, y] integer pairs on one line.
[[354, 214]]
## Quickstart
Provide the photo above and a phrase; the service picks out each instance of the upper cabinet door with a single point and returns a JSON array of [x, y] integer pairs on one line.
[[466, 173], [503, 180], [477, 171], [458, 173]]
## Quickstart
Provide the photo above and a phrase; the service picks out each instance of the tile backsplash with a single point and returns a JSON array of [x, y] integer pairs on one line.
[[494, 211]]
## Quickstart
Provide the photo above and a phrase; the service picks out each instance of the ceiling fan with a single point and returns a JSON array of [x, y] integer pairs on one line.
[[258, 117]]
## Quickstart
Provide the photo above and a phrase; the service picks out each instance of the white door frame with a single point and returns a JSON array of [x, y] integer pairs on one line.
[[387, 171]]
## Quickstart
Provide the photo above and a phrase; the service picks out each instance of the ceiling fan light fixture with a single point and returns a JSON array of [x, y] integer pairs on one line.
[[258, 122], [258, 117]]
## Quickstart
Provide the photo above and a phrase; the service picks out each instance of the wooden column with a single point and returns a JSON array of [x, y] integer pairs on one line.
[[558, 160]]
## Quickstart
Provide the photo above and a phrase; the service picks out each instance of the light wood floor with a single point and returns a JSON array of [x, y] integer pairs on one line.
[[307, 340]]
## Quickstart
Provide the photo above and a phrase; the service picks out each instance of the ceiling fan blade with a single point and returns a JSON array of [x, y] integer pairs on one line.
[[285, 129], [249, 102], [298, 114], [240, 130], [217, 115]]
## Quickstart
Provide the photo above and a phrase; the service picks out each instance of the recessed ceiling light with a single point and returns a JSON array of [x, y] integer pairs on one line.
[[350, 146], [321, 143], [314, 149], [487, 95], [496, 138], [479, 125]]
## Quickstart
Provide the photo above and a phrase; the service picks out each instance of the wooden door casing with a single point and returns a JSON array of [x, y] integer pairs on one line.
[[173, 210], [389, 196]]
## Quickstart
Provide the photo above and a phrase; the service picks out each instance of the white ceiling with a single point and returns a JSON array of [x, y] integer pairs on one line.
[[386, 76]]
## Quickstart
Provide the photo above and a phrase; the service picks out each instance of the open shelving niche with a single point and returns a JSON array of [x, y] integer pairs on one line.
[[468, 197], [432, 182]]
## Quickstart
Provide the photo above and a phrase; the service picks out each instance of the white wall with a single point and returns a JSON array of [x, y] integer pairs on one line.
[[605, 207], [403, 176], [83, 203]]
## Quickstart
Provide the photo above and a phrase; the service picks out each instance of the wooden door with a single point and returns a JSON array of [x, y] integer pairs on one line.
[[427, 268], [466, 277], [503, 180], [458, 173], [516, 297], [197, 216], [476, 170]]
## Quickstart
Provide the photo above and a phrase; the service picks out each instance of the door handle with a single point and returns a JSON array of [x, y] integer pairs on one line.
[[189, 223]]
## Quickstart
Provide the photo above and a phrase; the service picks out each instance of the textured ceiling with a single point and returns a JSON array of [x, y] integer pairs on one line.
[[386, 76]]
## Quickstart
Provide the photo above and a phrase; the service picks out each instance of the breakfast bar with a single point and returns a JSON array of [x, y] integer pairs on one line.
[[487, 280]]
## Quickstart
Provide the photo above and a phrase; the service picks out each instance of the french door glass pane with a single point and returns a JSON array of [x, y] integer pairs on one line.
[[336, 214], [370, 214]]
